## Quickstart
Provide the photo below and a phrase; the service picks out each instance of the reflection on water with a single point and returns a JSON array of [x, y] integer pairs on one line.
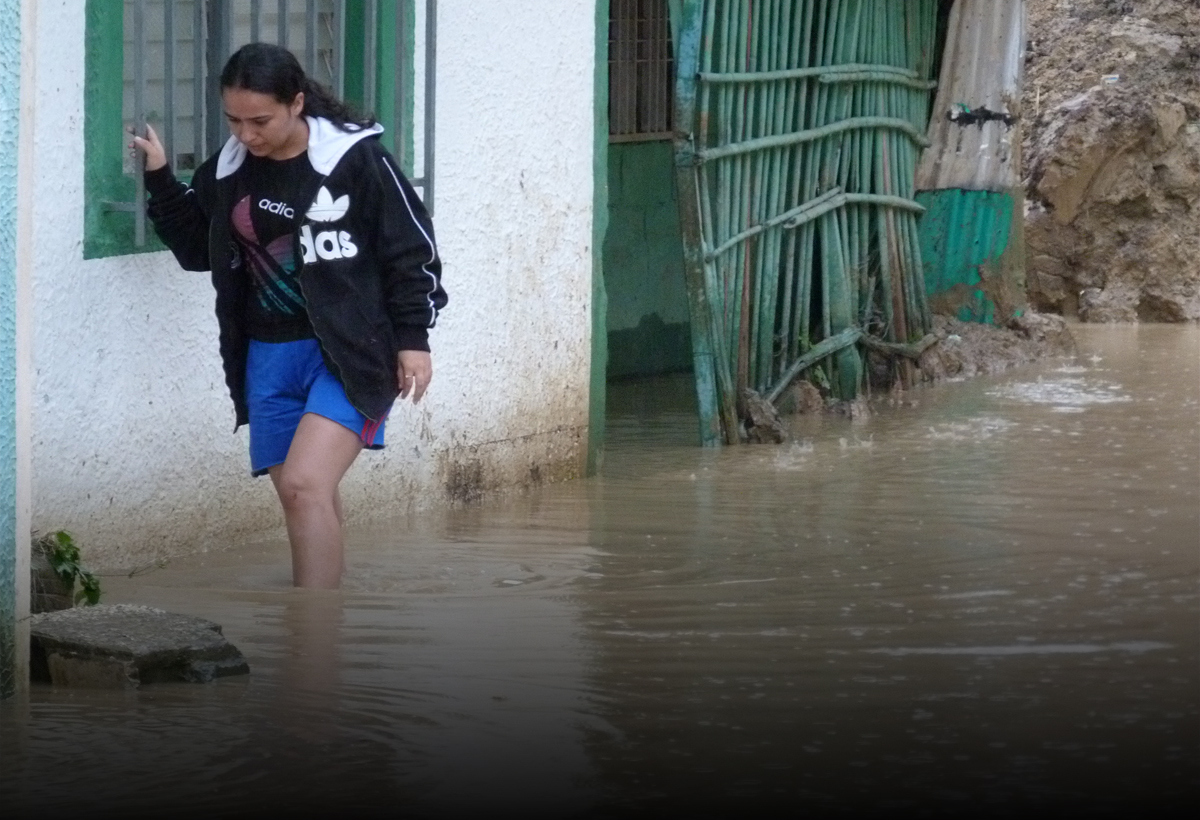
[[982, 598]]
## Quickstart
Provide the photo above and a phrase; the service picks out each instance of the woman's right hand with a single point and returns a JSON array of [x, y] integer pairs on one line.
[[156, 155]]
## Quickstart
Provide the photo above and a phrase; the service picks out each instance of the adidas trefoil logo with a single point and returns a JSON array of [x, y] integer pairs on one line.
[[327, 245], [327, 209]]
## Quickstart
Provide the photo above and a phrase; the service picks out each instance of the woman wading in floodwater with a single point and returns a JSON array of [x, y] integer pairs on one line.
[[327, 280]]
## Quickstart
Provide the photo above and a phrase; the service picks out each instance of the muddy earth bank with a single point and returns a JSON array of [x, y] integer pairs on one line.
[[956, 350], [1112, 159]]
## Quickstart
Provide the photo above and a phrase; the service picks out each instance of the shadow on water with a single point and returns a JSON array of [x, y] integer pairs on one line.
[[982, 599]]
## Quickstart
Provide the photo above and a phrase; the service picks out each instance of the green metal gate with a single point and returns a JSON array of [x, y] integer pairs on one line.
[[799, 124]]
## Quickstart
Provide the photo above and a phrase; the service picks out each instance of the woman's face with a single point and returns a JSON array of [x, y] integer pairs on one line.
[[267, 127]]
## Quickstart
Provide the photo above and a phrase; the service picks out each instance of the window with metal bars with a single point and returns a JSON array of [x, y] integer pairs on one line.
[[641, 71], [159, 62]]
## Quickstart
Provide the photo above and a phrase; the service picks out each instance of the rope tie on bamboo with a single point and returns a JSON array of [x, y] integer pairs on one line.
[[887, 73], [783, 140], [831, 200]]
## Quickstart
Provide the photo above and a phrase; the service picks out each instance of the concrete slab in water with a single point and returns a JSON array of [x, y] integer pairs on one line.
[[124, 645]]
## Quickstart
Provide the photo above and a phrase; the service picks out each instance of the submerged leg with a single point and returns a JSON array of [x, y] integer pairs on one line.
[[307, 483]]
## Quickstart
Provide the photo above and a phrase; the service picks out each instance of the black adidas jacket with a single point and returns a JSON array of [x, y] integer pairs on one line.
[[370, 271]]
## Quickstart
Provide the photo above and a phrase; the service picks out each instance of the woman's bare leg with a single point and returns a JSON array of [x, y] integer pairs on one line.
[[307, 483]]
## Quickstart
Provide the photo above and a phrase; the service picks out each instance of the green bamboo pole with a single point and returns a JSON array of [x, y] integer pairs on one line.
[[926, 69], [912, 251], [767, 275], [719, 270], [845, 157], [875, 75], [808, 261], [847, 361], [780, 164], [826, 347], [794, 27], [731, 281], [724, 278], [820, 150], [865, 155], [759, 95], [742, 178], [800, 273], [704, 125], [878, 151], [704, 354], [898, 101], [720, 202], [906, 165], [849, 167], [824, 73], [916, 291], [845, 313], [773, 265], [899, 308]]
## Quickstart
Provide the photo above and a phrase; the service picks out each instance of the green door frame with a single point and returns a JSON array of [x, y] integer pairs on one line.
[[597, 397]]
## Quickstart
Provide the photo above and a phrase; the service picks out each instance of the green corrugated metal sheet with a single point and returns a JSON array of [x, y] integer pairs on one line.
[[970, 258]]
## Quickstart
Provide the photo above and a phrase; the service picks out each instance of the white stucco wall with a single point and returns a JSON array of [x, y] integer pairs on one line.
[[133, 448]]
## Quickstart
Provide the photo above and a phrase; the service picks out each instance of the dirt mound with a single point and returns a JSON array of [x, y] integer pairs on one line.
[[957, 350], [1112, 158], [967, 349]]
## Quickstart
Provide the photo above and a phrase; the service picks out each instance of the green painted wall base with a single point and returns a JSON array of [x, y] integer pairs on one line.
[[973, 252], [648, 322], [652, 348]]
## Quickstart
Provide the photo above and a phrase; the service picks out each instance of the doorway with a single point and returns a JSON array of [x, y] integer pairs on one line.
[[648, 325]]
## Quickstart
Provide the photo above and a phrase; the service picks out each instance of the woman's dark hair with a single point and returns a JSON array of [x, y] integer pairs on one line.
[[271, 69]]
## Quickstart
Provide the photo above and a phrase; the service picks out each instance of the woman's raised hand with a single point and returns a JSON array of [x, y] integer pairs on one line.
[[156, 155]]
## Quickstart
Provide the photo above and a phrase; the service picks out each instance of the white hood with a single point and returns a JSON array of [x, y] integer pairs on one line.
[[327, 144]]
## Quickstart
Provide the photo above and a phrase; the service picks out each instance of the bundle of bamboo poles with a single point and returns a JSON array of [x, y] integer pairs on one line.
[[800, 124]]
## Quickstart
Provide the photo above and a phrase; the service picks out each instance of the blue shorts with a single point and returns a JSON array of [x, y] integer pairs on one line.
[[285, 380]]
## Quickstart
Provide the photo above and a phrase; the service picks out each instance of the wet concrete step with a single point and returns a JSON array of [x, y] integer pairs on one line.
[[125, 645]]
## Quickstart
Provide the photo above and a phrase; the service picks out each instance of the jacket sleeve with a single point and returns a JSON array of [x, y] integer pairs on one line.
[[180, 220], [405, 251]]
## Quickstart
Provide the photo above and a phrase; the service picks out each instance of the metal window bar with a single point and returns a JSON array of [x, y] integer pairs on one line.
[[370, 47], [215, 27], [339, 48], [405, 17], [430, 87], [400, 97], [198, 111], [168, 129], [281, 19], [139, 117], [641, 71], [310, 34], [220, 37]]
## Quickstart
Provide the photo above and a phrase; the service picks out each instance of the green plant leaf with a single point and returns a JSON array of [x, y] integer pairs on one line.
[[90, 588], [63, 556]]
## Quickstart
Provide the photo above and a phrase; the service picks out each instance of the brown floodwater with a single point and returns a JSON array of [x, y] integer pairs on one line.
[[980, 599]]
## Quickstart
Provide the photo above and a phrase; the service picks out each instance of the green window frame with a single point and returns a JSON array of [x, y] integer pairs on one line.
[[367, 28]]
